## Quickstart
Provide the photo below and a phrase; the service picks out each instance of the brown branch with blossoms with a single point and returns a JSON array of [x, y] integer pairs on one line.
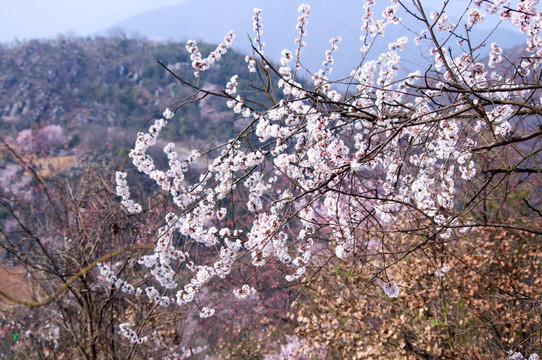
[[76, 277], [412, 194], [322, 174]]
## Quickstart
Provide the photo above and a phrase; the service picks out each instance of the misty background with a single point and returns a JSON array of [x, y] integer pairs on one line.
[[210, 20]]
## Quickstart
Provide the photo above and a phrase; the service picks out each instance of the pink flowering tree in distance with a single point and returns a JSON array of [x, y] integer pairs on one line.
[[328, 170]]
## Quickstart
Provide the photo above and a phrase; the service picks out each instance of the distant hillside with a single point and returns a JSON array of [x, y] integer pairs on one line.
[[99, 92], [95, 94], [209, 20]]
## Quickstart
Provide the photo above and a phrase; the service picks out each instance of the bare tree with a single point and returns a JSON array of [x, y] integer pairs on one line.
[[55, 230]]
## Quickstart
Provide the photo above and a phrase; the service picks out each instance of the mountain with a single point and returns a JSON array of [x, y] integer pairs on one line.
[[95, 94], [210, 20]]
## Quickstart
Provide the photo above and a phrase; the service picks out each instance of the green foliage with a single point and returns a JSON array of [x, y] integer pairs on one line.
[[74, 140], [123, 152], [4, 214]]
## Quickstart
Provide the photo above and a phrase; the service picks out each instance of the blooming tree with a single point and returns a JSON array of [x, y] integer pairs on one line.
[[335, 170], [331, 168]]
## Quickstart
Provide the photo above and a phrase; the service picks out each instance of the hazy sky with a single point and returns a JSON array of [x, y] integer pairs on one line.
[[24, 19]]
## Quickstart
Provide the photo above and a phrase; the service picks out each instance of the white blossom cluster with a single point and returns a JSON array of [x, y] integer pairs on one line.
[[201, 64], [124, 193], [321, 163], [443, 270], [206, 312], [302, 23], [251, 63], [231, 86], [186, 353], [475, 17], [391, 289], [257, 27], [127, 331], [110, 277], [244, 291], [519, 356]]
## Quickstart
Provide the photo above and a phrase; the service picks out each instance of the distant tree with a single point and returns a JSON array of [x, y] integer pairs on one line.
[[43, 138]]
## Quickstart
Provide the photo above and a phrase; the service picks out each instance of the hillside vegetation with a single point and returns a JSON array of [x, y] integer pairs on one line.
[[100, 91]]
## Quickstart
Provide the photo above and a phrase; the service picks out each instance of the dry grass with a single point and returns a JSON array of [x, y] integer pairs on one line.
[[13, 281], [47, 166]]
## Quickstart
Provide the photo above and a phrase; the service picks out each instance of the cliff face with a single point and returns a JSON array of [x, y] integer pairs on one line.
[[104, 88]]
